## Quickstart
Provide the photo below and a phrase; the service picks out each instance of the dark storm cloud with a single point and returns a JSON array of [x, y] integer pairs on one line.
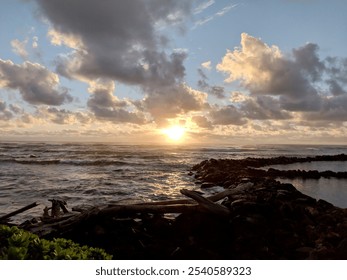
[[36, 84], [118, 39]]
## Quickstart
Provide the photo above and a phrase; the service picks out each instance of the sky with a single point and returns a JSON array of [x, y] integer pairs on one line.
[[166, 71]]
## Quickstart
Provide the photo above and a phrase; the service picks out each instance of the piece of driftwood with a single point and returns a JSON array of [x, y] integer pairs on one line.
[[214, 198], [207, 204], [61, 224], [57, 206], [180, 205], [154, 209], [21, 210], [195, 203]]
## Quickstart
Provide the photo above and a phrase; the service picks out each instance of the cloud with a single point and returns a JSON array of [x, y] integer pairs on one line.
[[333, 110], [337, 73], [264, 108], [15, 109], [170, 102], [203, 6], [238, 97], [123, 41], [203, 21], [202, 122], [307, 60], [43, 115], [5, 114], [35, 43], [106, 106], [335, 87], [280, 85], [217, 91], [36, 84], [264, 70], [19, 48], [58, 116], [225, 10], [118, 40], [220, 13], [27, 47], [206, 65], [227, 115]]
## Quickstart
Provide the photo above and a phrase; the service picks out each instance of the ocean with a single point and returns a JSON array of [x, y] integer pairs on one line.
[[95, 174]]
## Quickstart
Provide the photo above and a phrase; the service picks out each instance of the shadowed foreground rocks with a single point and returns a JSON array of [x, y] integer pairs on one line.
[[260, 218], [270, 221]]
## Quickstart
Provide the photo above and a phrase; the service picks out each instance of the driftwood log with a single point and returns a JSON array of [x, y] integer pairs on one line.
[[207, 204], [21, 210], [196, 204]]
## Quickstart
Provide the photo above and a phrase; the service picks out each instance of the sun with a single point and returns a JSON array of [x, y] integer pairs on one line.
[[174, 133]]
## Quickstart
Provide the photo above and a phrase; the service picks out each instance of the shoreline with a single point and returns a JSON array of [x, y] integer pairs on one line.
[[259, 218], [227, 171]]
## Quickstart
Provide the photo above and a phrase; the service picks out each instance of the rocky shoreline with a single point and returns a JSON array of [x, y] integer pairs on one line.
[[255, 217], [224, 172], [274, 220]]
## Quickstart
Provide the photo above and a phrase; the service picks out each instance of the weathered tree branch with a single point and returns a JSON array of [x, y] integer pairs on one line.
[[207, 204], [21, 210]]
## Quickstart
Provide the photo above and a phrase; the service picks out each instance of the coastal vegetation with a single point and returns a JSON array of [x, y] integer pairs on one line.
[[19, 244]]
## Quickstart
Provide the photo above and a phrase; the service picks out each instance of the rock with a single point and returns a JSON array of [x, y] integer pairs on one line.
[[323, 253], [312, 211], [304, 252], [324, 204], [342, 249], [207, 185]]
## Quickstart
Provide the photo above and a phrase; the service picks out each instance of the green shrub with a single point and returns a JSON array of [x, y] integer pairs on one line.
[[18, 244]]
